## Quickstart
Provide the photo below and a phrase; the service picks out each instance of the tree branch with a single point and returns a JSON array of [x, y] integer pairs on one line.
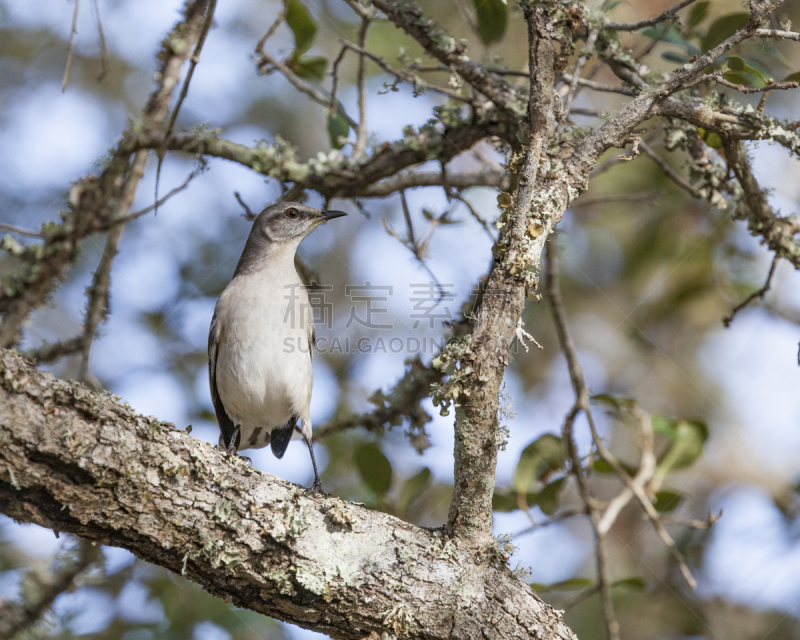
[[442, 46], [81, 462], [15, 618]]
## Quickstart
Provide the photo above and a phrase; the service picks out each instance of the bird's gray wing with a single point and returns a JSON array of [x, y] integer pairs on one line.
[[226, 425]]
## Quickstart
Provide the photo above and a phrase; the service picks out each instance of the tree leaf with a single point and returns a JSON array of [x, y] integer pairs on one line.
[[309, 67], [505, 501], [723, 28], [633, 584], [744, 79], [540, 457], [792, 77], [669, 33], [548, 498], [492, 20], [697, 14], [710, 138], [338, 127], [688, 438], [668, 500], [374, 468], [412, 488], [573, 584], [302, 25], [739, 66]]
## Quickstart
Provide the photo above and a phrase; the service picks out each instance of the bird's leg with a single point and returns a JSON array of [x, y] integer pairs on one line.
[[232, 444], [317, 486]]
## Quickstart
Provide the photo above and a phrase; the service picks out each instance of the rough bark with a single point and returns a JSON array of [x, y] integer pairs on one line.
[[477, 430], [84, 463]]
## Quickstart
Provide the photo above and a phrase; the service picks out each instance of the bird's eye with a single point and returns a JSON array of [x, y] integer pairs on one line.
[[291, 213]]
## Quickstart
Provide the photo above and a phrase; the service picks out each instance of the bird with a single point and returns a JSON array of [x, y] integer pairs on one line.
[[261, 339]]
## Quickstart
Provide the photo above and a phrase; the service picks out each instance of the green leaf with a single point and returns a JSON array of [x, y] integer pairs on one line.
[[688, 438], [792, 77], [309, 67], [697, 14], [573, 584], [374, 467], [612, 402], [548, 498], [668, 500], [633, 584], [723, 28], [492, 20], [504, 501], [710, 138], [744, 79], [601, 466], [412, 488], [338, 127], [302, 25], [740, 67], [669, 33], [537, 459], [576, 584]]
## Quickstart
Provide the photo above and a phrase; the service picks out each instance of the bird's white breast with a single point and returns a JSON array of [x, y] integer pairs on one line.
[[264, 364]]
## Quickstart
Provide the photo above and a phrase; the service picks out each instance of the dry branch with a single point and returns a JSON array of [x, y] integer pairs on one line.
[[83, 463]]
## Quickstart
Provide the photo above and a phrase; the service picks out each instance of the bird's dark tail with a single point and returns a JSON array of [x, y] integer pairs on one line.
[[281, 436]]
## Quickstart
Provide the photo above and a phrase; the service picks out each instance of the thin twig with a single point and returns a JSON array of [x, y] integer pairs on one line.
[[404, 76], [138, 214], [248, 212], [361, 133], [777, 33], [666, 15], [576, 74], [627, 197], [274, 26], [103, 48], [301, 85], [198, 47], [692, 523], [48, 352], [473, 212], [98, 293], [599, 86], [71, 48], [720, 79], [581, 405], [334, 107], [755, 295], [669, 171], [23, 232], [563, 515], [15, 618]]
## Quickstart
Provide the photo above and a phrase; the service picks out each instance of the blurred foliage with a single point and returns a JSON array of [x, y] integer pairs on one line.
[[646, 282]]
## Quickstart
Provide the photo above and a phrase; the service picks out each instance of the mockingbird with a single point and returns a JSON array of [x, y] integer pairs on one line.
[[261, 340]]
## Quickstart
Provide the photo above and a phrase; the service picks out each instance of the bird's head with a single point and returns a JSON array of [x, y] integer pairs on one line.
[[277, 231], [290, 222]]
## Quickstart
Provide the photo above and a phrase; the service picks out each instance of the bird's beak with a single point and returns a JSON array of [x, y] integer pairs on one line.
[[330, 215]]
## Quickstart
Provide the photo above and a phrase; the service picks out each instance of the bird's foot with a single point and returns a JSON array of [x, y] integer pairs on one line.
[[317, 487]]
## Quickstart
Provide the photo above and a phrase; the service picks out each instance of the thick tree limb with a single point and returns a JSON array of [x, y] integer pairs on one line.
[[347, 181], [477, 435], [82, 462]]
